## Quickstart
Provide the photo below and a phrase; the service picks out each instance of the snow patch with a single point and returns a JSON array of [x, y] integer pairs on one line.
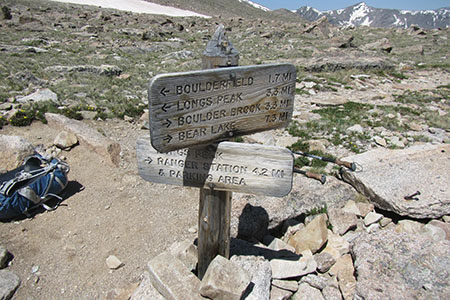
[[398, 21], [415, 12], [137, 6], [359, 12], [255, 5], [366, 22]]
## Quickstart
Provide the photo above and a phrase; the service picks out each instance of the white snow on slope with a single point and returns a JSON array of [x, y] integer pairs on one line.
[[137, 6], [255, 5]]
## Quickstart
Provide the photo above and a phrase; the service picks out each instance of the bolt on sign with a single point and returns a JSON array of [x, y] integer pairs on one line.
[[245, 168], [200, 107]]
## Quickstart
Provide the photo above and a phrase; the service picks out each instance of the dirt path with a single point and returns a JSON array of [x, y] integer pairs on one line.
[[116, 213], [61, 254]]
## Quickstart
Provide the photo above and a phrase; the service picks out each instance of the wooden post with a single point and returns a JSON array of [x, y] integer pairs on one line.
[[215, 206]]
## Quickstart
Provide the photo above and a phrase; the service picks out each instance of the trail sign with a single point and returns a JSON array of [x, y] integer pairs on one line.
[[246, 168], [200, 107]]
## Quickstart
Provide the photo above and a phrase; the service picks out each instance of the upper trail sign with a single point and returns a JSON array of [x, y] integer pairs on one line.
[[200, 107]]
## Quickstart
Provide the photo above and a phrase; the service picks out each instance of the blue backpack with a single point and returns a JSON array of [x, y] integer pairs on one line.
[[31, 185]]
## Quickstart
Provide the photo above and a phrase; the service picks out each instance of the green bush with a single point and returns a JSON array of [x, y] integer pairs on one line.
[[22, 118]]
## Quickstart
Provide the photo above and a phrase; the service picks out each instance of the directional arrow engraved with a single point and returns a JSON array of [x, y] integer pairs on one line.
[[164, 91], [167, 138], [201, 107], [148, 160], [165, 107], [167, 123]]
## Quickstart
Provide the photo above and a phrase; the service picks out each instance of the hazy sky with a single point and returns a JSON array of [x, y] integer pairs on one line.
[[336, 4]]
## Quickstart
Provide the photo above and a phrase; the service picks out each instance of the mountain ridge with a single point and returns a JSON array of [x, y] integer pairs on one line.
[[361, 14]]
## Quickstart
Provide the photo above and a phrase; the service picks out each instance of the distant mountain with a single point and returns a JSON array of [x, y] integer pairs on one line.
[[363, 15]]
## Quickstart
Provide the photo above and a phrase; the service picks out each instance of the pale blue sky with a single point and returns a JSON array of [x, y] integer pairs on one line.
[[337, 4]]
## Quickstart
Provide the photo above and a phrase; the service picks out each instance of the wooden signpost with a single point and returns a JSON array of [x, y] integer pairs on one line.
[[192, 114], [201, 107]]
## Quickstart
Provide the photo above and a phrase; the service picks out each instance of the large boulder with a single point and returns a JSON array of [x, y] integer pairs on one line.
[[224, 280], [88, 135], [392, 265], [172, 279], [390, 175], [13, 149], [41, 95]]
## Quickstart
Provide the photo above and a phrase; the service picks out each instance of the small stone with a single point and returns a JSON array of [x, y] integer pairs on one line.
[[341, 221], [280, 294], [395, 141], [124, 76], [306, 292], [88, 115], [373, 228], [289, 268], [434, 232], [113, 262], [312, 237], [409, 226], [65, 140], [318, 145], [443, 226], [336, 246], [5, 106], [186, 252], [324, 261], [385, 221], [290, 227], [289, 285], [351, 207], [192, 230], [344, 270], [380, 141], [309, 84], [34, 269], [372, 218], [331, 293], [277, 244], [318, 282], [446, 219], [364, 208], [415, 126], [356, 128]]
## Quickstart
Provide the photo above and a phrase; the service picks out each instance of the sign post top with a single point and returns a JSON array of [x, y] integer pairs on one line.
[[201, 107], [219, 51]]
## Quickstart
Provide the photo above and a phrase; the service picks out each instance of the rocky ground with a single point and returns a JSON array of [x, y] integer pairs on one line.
[[378, 97]]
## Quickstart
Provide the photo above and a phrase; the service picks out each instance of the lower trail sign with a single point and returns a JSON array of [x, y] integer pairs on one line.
[[200, 107], [245, 168]]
